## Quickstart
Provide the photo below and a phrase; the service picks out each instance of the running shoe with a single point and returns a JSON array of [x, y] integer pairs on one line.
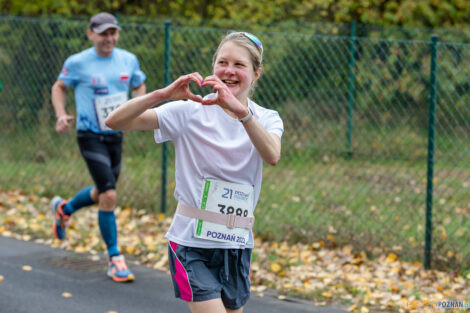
[[60, 218], [118, 270]]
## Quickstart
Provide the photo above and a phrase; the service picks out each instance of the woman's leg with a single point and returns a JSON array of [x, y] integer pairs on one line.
[[209, 306]]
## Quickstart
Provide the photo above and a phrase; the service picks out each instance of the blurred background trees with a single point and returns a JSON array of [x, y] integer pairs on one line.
[[427, 13]]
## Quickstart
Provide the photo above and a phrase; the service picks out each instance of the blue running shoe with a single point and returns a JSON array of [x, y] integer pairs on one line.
[[118, 270], [60, 218]]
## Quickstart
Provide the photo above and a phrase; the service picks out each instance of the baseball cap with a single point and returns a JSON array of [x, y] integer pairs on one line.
[[103, 21]]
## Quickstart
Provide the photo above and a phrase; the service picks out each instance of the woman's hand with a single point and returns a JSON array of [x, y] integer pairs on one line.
[[136, 114], [179, 89], [225, 99]]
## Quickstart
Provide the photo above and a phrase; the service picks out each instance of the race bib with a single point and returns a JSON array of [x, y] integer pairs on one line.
[[225, 198], [107, 104]]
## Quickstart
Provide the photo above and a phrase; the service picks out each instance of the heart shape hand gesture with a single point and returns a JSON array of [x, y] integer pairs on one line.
[[179, 89]]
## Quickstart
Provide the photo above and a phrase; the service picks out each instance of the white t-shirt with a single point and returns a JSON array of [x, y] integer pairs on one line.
[[209, 144]]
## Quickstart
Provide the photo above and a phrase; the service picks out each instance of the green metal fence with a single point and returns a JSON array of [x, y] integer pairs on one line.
[[376, 149]]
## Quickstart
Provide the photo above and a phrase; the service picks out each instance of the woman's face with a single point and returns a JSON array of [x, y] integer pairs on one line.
[[234, 67]]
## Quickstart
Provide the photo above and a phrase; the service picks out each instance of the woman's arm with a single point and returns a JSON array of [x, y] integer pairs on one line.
[[267, 144], [136, 114]]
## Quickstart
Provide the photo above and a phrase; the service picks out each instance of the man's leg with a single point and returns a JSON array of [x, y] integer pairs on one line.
[[117, 269], [63, 210], [107, 221], [85, 197]]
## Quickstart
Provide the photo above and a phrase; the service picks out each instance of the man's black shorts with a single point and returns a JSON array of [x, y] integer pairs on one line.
[[102, 154]]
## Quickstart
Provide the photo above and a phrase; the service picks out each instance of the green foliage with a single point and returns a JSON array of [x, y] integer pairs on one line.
[[428, 13], [33, 53], [391, 76]]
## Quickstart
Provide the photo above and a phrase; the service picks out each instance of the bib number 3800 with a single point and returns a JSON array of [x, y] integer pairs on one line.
[[225, 198], [105, 105], [231, 210]]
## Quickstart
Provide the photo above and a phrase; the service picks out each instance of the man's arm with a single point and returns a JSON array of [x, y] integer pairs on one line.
[[139, 90], [58, 94]]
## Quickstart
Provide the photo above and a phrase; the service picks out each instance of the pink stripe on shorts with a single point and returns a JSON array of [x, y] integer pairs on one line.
[[181, 277]]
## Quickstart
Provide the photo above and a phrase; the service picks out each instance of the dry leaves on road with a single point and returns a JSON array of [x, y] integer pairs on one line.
[[66, 295], [325, 276]]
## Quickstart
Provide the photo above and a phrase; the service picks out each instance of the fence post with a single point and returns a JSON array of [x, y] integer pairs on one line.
[[351, 89], [431, 133], [166, 82]]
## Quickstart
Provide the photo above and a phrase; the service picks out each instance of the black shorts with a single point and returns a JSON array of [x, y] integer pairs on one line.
[[200, 274], [102, 154]]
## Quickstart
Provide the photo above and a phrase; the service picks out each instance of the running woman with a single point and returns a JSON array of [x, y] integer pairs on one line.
[[101, 77], [220, 142]]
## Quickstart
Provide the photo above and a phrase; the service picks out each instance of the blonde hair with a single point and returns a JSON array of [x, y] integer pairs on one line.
[[242, 39]]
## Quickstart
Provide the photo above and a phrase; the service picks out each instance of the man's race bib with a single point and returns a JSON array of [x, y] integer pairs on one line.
[[107, 104], [225, 198]]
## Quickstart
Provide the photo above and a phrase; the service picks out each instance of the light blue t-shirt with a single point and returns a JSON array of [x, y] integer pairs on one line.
[[93, 77]]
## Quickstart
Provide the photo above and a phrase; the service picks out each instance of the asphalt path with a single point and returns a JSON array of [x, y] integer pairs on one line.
[[41, 279]]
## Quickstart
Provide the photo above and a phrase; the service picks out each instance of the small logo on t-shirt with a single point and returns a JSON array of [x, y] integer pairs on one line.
[[65, 71], [98, 79], [124, 78], [101, 91]]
